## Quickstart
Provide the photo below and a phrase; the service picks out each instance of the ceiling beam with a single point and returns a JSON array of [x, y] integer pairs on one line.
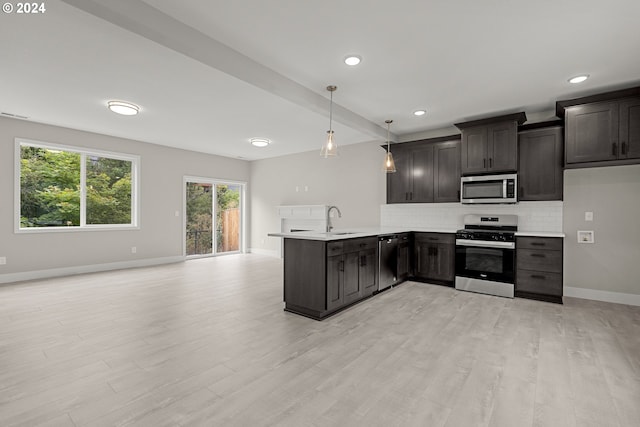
[[141, 18]]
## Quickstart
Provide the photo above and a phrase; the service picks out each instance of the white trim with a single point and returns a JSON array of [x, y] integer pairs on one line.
[[84, 152], [82, 269], [606, 296], [266, 252]]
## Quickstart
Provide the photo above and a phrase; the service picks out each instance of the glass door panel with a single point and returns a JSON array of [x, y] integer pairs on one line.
[[227, 218], [199, 230]]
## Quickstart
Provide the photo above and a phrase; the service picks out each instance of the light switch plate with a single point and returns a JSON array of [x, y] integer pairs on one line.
[[588, 216], [3, 260]]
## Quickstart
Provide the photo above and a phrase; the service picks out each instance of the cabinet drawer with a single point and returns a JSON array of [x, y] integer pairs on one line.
[[530, 259], [436, 237], [547, 243], [354, 245], [539, 282], [335, 248]]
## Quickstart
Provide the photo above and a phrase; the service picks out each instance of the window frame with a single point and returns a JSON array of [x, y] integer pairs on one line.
[[84, 154]]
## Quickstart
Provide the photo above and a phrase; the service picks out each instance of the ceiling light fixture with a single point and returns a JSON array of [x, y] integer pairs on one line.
[[352, 60], [419, 113], [579, 79], [389, 164], [330, 148], [260, 142], [124, 108]]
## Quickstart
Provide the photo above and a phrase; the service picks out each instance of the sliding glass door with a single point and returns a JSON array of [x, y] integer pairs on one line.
[[214, 218]]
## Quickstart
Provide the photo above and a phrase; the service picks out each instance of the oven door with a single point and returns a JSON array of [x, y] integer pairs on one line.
[[491, 261]]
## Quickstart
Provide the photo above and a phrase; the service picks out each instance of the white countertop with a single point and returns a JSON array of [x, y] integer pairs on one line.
[[539, 234], [352, 233]]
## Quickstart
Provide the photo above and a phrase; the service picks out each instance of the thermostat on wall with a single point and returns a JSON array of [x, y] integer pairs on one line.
[[585, 236]]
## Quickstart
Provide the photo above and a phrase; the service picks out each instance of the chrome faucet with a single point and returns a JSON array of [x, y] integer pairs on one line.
[[329, 225]]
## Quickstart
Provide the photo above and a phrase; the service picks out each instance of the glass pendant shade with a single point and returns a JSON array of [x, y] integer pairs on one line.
[[389, 164], [329, 148]]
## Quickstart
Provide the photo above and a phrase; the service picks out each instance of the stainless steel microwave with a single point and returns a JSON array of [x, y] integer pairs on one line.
[[489, 189]]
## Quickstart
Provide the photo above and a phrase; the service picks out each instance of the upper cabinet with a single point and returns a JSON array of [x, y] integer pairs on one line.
[[490, 145], [540, 163], [426, 171], [602, 130]]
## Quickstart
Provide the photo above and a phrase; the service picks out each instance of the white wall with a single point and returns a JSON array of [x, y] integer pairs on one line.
[[612, 263], [160, 235], [354, 181]]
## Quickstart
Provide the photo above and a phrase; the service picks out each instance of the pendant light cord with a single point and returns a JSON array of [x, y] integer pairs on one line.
[[331, 113]]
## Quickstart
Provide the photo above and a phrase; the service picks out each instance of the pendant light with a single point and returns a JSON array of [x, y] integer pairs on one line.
[[389, 164], [330, 148]]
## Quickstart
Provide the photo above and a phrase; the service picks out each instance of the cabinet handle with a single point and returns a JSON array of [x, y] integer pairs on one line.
[[624, 148], [538, 244], [537, 276], [538, 255], [341, 266], [614, 149], [484, 163], [490, 162], [418, 258], [411, 195], [433, 238], [363, 260], [458, 194]]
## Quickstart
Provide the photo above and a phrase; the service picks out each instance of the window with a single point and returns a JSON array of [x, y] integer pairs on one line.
[[63, 188]]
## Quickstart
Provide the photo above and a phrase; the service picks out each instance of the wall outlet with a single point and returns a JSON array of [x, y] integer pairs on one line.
[[133, 249], [588, 216], [585, 236], [3, 260], [177, 213]]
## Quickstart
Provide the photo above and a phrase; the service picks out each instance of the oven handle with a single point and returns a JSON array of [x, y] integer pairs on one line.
[[484, 244]]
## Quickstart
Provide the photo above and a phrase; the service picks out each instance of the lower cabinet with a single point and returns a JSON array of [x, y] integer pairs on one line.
[[539, 268], [435, 257], [404, 257], [322, 277]]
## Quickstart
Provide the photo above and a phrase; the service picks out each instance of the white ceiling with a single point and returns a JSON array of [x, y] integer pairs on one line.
[[209, 75]]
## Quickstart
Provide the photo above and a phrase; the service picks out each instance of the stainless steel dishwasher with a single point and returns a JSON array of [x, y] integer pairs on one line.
[[387, 261]]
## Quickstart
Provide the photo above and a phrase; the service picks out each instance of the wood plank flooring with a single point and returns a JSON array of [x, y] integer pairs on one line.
[[207, 343]]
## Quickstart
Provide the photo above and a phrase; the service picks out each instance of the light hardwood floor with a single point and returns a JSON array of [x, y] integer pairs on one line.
[[206, 342]]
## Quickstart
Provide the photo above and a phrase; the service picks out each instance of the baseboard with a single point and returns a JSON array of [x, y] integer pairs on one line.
[[606, 296], [82, 269], [266, 252]]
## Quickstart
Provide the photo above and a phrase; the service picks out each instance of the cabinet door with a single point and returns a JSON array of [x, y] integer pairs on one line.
[[422, 175], [474, 150], [540, 169], [630, 129], [367, 272], [403, 260], [591, 132], [398, 183], [335, 282], [352, 288], [446, 172], [443, 262], [424, 259], [502, 147]]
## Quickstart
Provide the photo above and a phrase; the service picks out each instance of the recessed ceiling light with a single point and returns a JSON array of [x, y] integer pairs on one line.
[[579, 79], [260, 142], [124, 108], [352, 60], [420, 112]]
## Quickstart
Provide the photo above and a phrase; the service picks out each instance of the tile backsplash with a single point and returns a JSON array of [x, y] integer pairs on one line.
[[532, 216]]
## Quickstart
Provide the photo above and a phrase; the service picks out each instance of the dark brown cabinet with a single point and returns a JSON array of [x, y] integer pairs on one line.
[[490, 145], [426, 172], [540, 164], [602, 130], [434, 257], [351, 271], [404, 257], [539, 268]]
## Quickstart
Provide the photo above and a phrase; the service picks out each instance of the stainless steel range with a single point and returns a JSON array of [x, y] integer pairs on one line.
[[485, 254]]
